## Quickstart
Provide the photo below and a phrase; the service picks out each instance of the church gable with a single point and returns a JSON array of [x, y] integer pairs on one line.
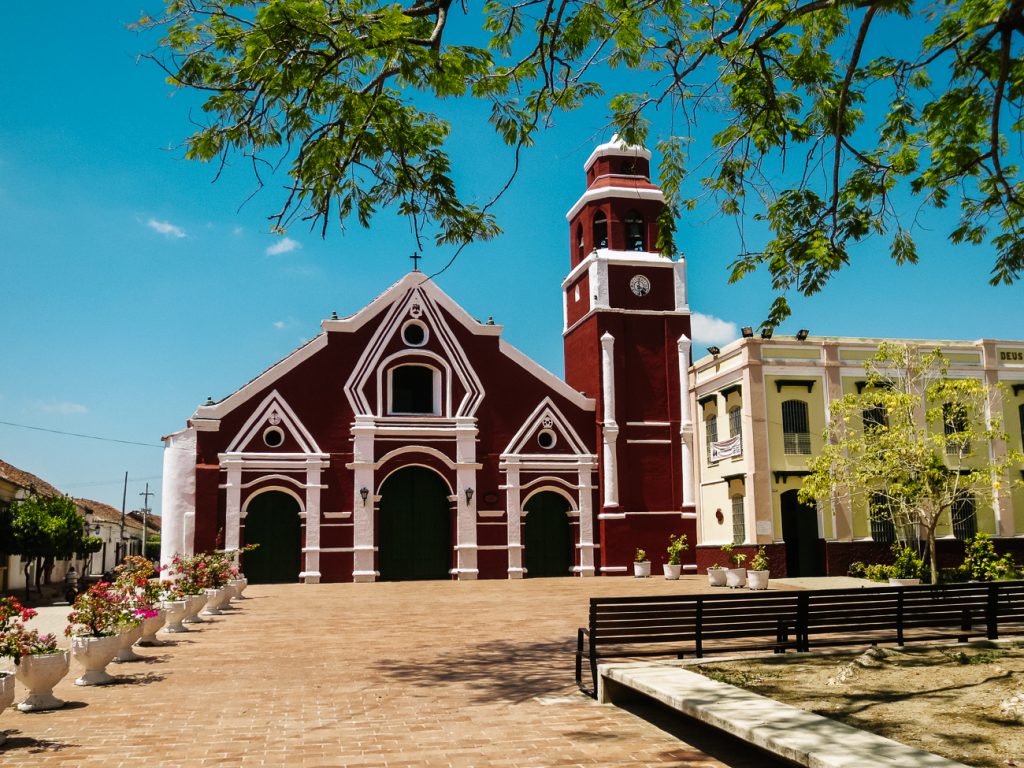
[[413, 363], [273, 426], [546, 432]]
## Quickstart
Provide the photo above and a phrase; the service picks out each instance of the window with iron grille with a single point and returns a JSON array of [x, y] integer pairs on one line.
[[711, 432], [954, 421], [965, 519], [796, 431], [875, 418], [739, 526], [734, 422], [883, 529]]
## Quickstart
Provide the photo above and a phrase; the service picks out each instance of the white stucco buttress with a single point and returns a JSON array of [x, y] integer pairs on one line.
[[609, 426], [178, 493]]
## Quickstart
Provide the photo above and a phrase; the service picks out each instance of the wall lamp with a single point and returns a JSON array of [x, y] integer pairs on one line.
[[363, 493], [766, 333], [747, 331], [801, 335], [469, 495], [715, 351]]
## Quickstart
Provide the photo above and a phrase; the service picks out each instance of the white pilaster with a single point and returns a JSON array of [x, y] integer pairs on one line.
[[311, 573], [514, 516], [465, 522], [233, 504], [178, 492], [609, 427], [362, 511], [685, 422], [586, 545], [679, 280]]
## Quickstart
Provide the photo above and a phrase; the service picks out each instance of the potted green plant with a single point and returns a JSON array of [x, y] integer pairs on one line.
[[736, 576], [641, 565], [676, 546], [757, 574], [907, 569], [716, 575]]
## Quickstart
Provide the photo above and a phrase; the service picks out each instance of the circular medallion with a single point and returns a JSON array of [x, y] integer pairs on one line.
[[640, 285]]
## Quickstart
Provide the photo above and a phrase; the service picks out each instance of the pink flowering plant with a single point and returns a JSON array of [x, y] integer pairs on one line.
[[103, 611], [16, 640], [206, 570], [136, 583]]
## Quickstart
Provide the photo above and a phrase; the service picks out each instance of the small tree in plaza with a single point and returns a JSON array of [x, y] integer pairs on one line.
[[912, 446], [45, 529]]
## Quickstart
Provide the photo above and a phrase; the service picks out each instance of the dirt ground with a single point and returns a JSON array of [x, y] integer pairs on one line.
[[950, 700]]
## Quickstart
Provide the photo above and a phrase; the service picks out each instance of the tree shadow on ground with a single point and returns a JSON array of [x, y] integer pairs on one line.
[[30, 745], [498, 671], [143, 678]]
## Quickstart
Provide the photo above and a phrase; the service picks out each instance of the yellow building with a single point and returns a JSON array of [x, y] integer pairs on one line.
[[761, 407]]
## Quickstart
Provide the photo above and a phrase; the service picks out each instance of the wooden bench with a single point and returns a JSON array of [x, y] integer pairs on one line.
[[626, 627], [689, 624]]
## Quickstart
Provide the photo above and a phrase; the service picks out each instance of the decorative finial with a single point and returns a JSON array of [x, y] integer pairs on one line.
[[416, 262], [209, 401], [490, 320], [334, 315]]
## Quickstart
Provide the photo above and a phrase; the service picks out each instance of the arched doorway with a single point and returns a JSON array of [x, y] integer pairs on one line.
[[548, 536], [800, 532], [415, 539], [272, 522]]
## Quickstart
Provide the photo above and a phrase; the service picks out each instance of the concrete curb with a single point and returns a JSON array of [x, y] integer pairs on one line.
[[792, 733]]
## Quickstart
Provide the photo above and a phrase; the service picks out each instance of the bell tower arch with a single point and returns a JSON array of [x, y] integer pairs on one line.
[[627, 344]]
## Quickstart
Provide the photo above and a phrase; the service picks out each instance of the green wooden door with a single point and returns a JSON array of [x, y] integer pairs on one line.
[[415, 540], [272, 521], [800, 532], [547, 536]]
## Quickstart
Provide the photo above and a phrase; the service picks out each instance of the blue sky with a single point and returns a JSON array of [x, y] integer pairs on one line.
[[133, 287]]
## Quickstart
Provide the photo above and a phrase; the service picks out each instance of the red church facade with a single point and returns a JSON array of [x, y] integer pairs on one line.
[[410, 441]]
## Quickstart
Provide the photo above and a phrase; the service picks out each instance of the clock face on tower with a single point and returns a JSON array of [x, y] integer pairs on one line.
[[640, 285]]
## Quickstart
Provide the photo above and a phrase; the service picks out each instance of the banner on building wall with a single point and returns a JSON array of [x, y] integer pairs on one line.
[[726, 449]]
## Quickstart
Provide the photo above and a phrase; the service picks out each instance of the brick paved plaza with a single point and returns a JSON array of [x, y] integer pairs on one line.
[[391, 674]]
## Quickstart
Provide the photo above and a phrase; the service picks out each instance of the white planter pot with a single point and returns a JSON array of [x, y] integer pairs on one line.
[[239, 585], [175, 612], [757, 579], [126, 639], [672, 571], [716, 577], [215, 600], [904, 582], [642, 570], [151, 626], [94, 653], [735, 577], [194, 604], [39, 673], [6, 695]]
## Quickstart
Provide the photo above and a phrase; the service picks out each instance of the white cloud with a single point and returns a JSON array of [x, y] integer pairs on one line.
[[237, 231], [165, 228], [279, 324], [284, 245], [63, 407], [711, 330]]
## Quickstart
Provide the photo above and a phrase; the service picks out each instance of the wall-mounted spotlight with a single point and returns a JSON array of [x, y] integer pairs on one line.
[[469, 495], [715, 351], [766, 333], [363, 493], [747, 331], [801, 335]]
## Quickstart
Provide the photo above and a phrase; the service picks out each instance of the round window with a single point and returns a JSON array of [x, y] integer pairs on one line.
[[546, 439], [273, 437], [414, 333]]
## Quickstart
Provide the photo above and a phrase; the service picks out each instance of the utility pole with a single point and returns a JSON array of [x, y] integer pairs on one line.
[[145, 512], [120, 541]]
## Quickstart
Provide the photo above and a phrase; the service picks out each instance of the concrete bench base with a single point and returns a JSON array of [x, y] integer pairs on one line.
[[783, 730]]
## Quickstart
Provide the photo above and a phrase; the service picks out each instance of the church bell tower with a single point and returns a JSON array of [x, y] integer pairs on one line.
[[627, 344]]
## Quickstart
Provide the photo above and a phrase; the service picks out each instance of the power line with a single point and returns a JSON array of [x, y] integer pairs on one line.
[[78, 434], [93, 483]]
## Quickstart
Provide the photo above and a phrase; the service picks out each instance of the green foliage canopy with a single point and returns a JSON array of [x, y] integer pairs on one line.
[[820, 128]]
